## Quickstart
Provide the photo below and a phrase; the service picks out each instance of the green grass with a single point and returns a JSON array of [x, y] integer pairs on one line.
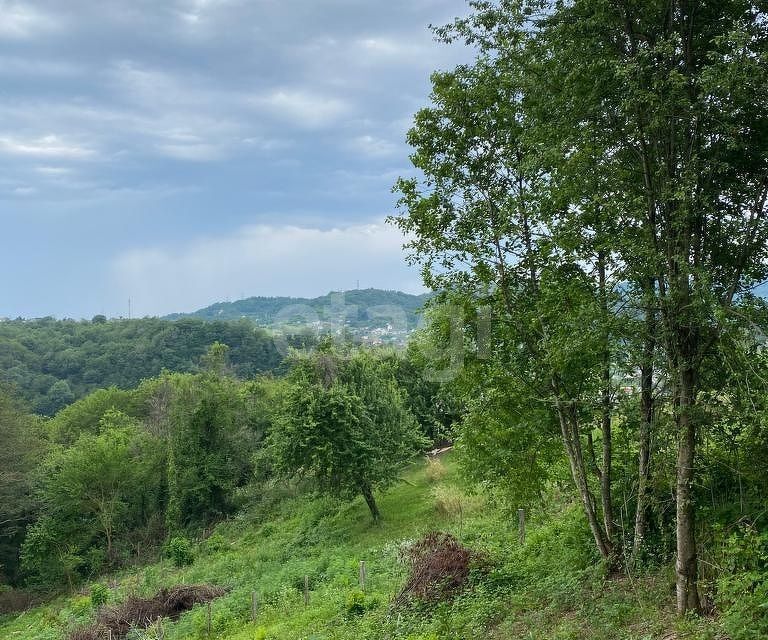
[[552, 588]]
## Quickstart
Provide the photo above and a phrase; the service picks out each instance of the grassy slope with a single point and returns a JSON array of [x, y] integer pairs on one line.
[[548, 589]]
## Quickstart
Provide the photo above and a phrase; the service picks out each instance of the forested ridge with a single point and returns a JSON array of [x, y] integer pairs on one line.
[[356, 307], [53, 362]]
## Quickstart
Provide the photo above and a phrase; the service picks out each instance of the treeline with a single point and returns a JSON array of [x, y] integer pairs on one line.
[[595, 183], [53, 362], [120, 475]]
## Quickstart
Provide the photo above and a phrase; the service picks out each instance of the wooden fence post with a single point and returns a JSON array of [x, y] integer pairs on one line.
[[363, 575], [209, 619], [254, 605], [521, 524], [306, 591]]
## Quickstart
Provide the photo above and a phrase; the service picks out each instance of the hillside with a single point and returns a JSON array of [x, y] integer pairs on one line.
[[549, 588], [53, 362], [359, 310]]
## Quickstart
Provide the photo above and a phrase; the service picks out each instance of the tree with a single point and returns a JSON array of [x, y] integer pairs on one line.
[[639, 129], [210, 449], [343, 422], [485, 232], [22, 446], [91, 495], [59, 396], [681, 121], [216, 359]]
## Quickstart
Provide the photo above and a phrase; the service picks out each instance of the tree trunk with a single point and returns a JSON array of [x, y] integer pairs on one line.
[[570, 432], [365, 489], [606, 476], [646, 425], [686, 566]]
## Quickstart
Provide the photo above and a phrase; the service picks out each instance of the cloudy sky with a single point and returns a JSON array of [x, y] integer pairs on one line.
[[188, 151]]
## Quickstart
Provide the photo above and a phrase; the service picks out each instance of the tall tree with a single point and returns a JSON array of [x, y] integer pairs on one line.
[[645, 124], [487, 228], [344, 423]]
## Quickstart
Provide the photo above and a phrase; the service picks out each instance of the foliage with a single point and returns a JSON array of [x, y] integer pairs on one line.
[[22, 445], [99, 595], [584, 181], [343, 422], [179, 550], [53, 362], [91, 494], [742, 589], [210, 450]]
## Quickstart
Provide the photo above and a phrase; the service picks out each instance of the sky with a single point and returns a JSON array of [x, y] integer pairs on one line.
[[184, 152]]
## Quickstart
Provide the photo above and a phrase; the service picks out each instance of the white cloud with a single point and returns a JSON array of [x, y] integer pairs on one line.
[[21, 20], [53, 171], [195, 152], [304, 108], [263, 260], [374, 147], [24, 191], [49, 146]]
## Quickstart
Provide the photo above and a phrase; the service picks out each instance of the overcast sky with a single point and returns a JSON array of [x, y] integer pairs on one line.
[[189, 151]]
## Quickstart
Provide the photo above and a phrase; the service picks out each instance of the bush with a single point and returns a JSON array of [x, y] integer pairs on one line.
[[99, 595], [357, 603], [179, 550], [743, 590]]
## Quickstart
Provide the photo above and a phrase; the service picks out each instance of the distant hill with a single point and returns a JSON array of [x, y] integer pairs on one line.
[[359, 309], [53, 362]]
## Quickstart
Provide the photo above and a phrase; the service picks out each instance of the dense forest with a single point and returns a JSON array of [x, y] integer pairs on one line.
[[53, 362]]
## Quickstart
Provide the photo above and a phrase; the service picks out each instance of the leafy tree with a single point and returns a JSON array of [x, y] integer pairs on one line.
[[600, 155], [58, 396], [343, 422], [484, 232], [85, 415], [22, 446], [216, 359], [431, 402], [209, 452], [91, 495]]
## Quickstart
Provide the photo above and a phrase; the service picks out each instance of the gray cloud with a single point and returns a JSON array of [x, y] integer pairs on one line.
[[197, 118]]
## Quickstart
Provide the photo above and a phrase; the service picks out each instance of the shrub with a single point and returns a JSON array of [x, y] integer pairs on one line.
[[743, 590], [179, 550], [357, 603], [99, 595]]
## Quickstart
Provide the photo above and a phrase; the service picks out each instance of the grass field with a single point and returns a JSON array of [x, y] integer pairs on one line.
[[550, 588]]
